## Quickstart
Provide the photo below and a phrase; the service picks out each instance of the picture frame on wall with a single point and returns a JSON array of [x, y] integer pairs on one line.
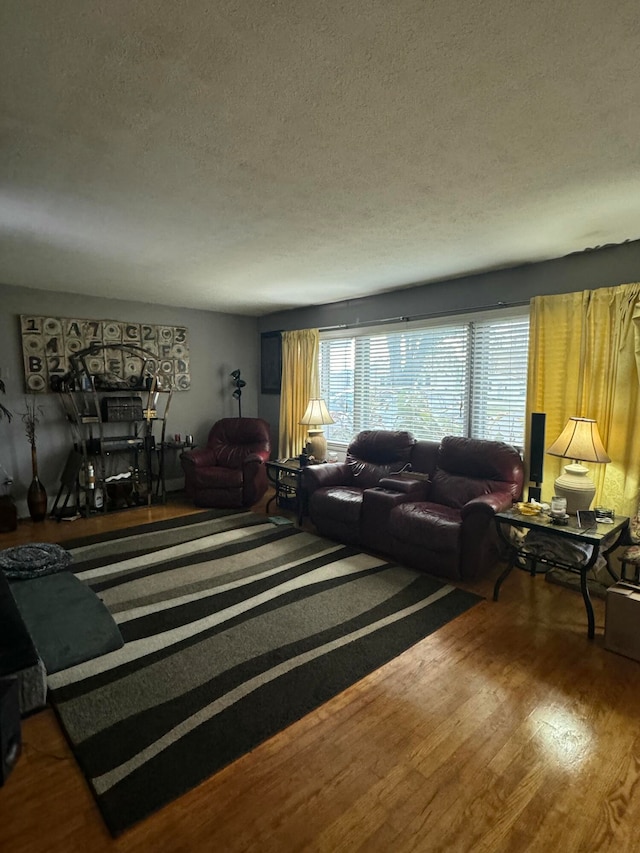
[[270, 362]]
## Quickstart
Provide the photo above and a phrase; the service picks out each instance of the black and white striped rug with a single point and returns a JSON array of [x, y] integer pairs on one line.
[[234, 628]]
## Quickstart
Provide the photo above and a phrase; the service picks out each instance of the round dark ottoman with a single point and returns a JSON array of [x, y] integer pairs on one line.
[[33, 560]]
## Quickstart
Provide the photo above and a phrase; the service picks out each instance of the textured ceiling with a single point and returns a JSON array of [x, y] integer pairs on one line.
[[252, 156]]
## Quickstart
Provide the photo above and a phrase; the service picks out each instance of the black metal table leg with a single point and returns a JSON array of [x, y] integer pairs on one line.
[[505, 574], [586, 597]]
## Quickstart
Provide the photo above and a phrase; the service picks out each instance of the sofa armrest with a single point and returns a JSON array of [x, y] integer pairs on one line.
[[255, 458], [201, 457], [488, 505], [328, 474], [413, 487], [251, 465]]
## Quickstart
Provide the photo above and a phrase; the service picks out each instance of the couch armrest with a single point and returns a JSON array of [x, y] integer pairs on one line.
[[255, 458], [201, 457], [415, 487], [328, 474], [488, 505]]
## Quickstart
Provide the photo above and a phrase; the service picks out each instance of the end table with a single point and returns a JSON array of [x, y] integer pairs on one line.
[[602, 538], [286, 477]]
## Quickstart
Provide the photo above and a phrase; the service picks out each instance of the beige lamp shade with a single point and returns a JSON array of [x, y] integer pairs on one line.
[[579, 440], [315, 416]]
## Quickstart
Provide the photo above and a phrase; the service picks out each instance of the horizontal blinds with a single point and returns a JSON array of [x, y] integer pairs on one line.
[[337, 387], [415, 380], [464, 378], [499, 380]]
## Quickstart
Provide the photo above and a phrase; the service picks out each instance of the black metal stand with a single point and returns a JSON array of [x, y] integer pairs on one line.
[[531, 561]]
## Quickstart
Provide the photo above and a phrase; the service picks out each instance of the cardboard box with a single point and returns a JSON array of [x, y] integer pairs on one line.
[[622, 620]]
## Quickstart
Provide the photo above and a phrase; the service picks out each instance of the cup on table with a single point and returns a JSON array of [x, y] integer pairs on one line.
[[558, 507]]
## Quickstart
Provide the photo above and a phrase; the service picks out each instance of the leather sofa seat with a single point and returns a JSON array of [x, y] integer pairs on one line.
[[340, 508], [427, 535]]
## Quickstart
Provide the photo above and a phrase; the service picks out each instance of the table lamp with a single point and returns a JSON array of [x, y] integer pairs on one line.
[[315, 416], [580, 441]]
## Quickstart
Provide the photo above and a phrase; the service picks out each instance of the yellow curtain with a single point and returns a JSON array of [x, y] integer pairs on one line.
[[582, 362], [299, 385]]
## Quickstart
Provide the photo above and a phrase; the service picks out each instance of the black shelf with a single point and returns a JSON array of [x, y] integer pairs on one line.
[[138, 442]]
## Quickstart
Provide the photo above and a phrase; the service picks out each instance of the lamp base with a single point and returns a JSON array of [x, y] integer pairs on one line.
[[576, 487], [316, 445]]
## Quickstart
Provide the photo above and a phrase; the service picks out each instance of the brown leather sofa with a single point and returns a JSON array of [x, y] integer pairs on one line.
[[230, 470], [427, 504]]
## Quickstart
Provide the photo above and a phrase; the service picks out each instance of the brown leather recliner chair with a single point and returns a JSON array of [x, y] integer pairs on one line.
[[230, 470]]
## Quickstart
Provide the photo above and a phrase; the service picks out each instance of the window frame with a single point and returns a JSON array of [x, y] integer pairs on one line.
[[505, 314]]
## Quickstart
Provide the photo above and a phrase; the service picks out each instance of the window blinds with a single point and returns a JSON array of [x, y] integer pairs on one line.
[[465, 378]]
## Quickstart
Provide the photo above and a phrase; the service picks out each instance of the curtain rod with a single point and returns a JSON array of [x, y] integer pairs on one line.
[[413, 317]]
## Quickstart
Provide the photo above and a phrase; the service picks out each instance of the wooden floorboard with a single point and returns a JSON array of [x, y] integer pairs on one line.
[[506, 730]]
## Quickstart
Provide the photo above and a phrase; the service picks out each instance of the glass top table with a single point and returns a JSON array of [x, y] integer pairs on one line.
[[601, 539]]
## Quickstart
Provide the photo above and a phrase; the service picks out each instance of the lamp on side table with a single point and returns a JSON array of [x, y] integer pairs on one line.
[[315, 416], [580, 441]]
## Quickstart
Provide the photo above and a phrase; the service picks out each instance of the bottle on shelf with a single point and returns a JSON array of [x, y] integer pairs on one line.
[[98, 499]]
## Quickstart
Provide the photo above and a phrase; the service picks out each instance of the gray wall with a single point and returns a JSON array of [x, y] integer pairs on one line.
[[584, 271], [218, 344]]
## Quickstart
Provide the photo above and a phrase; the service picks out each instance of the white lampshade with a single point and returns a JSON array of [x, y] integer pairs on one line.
[[579, 440], [316, 414]]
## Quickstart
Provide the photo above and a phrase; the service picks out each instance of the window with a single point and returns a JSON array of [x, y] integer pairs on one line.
[[458, 378]]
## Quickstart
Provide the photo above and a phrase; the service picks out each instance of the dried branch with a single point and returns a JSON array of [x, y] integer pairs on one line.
[[31, 419], [4, 412]]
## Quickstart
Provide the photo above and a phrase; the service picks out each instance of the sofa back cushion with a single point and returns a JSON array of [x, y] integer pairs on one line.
[[233, 439], [455, 491], [374, 454], [470, 467], [424, 456]]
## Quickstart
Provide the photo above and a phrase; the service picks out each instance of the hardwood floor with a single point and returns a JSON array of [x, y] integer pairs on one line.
[[506, 730]]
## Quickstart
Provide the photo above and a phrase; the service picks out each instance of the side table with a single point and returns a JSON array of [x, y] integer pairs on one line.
[[286, 477], [161, 450], [602, 538]]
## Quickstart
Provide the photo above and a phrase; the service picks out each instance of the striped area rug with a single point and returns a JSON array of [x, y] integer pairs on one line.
[[234, 628]]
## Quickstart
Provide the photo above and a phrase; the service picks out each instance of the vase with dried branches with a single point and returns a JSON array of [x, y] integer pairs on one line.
[[36, 493]]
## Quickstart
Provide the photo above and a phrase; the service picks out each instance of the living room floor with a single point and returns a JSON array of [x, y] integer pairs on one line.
[[506, 730]]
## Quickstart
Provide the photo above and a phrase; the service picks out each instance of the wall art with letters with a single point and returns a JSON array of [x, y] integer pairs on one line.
[[48, 342]]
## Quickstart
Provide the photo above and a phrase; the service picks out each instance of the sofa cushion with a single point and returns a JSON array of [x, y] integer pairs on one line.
[[382, 446], [341, 503], [375, 453], [482, 460], [454, 490], [425, 523], [67, 621], [219, 478]]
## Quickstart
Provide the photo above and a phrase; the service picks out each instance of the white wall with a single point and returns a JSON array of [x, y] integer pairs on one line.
[[218, 344]]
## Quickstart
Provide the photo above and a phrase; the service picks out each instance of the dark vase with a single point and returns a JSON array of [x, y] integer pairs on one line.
[[36, 494]]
